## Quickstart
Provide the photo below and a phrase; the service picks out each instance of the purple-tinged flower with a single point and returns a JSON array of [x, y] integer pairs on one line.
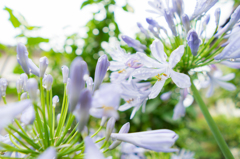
[[77, 71], [154, 32], [134, 97], [50, 153], [183, 154], [106, 101], [19, 85], [158, 7], [178, 7], [202, 6], [186, 22], [47, 82], [24, 96], [161, 69], [83, 107], [217, 16], [124, 129], [154, 24], [24, 78], [103, 120], [100, 71], [28, 116], [55, 100], [169, 19], [5, 139], [109, 128], [9, 112], [22, 57], [32, 87], [216, 79], [193, 41], [166, 96], [133, 43], [3, 86], [205, 23], [130, 151], [143, 30], [43, 64], [232, 63], [33, 68], [65, 72], [68, 86], [91, 150], [233, 20], [156, 140], [90, 84], [179, 110]]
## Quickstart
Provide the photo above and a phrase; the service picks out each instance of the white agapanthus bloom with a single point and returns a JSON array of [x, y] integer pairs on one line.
[[160, 68], [216, 79]]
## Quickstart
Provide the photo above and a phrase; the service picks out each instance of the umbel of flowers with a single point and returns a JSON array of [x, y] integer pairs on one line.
[[171, 59]]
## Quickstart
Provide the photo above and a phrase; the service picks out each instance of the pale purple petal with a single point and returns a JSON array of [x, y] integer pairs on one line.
[[156, 89], [180, 79], [176, 56], [157, 51], [148, 61], [145, 73]]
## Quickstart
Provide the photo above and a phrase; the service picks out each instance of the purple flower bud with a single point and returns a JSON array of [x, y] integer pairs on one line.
[[217, 16], [166, 96], [152, 22], [133, 43], [124, 129], [100, 71], [55, 100], [169, 19], [43, 64], [68, 86], [24, 96], [91, 150], [28, 116], [47, 82], [82, 112], [186, 22], [33, 68], [49, 153], [24, 78], [109, 128], [77, 71], [19, 85], [22, 57], [90, 84], [155, 33], [32, 87], [3, 86], [178, 6], [65, 72], [156, 140], [144, 31], [193, 41]]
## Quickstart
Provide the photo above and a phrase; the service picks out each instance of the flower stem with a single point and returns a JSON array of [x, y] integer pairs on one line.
[[4, 99], [216, 133], [100, 128]]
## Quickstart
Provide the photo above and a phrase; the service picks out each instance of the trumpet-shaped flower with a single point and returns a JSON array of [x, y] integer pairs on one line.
[[158, 7], [65, 72], [19, 85], [202, 6], [217, 16], [193, 41], [109, 128], [3, 86], [47, 82], [161, 69], [179, 110], [50, 153], [166, 96], [133, 43], [216, 79], [24, 78], [178, 7], [143, 30], [91, 150], [43, 64], [55, 100], [32, 87], [186, 22], [156, 140], [232, 63], [134, 97], [9, 112], [28, 116], [106, 101]]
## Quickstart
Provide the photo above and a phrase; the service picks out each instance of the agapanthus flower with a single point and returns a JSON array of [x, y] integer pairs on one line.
[[178, 7], [50, 153], [134, 97], [158, 7], [19, 85], [193, 41], [232, 63], [24, 78], [47, 82], [156, 140], [24, 96], [217, 16], [161, 69], [109, 128], [28, 116], [106, 101], [183, 154], [3, 86], [5, 139], [130, 151], [143, 30], [179, 109], [133, 43], [55, 100], [32, 87], [9, 112], [65, 73], [43, 64], [202, 6], [166, 96], [91, 150], [217, 79], [186, 22]]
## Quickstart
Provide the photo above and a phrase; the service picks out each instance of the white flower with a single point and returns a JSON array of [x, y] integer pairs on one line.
[[160, 68]]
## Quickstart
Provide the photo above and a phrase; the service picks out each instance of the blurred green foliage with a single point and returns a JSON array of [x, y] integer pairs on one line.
[[192, 129]]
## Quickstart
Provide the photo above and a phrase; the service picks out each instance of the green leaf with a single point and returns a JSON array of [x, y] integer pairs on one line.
[[36, 40], [13, 19], [85, 3]]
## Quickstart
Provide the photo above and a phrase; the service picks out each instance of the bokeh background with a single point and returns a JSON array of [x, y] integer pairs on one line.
[[62, 30]]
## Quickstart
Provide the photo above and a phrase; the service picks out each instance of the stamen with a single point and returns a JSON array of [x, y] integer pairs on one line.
[[121, 71], [159, 78], [107, 108]]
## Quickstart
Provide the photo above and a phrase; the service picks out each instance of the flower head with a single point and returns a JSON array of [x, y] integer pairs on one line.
[[133, 43], [47, 82], [91, 150], [65, 72], [43, 64], [193, 41], [3, 86], [49, 153]]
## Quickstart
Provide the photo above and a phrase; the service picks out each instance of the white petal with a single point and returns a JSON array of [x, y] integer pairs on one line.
[[179, 110], [227, 86], [210, 90], [145, 73], [125, 106], [49, 153], [156, 89], [176, 56], [227, 77], [180, 79], [116, 66], [134, 111], [148, 61], [157, 50]]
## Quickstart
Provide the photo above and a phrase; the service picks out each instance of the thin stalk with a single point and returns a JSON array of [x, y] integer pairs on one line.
[[19, 96], [4, 99], [216, 133], [100, 128]]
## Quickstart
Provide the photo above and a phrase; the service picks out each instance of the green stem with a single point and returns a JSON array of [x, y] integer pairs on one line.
[[100, 128], [4, 99], [19, 96], [106, 150], [216, 133]]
